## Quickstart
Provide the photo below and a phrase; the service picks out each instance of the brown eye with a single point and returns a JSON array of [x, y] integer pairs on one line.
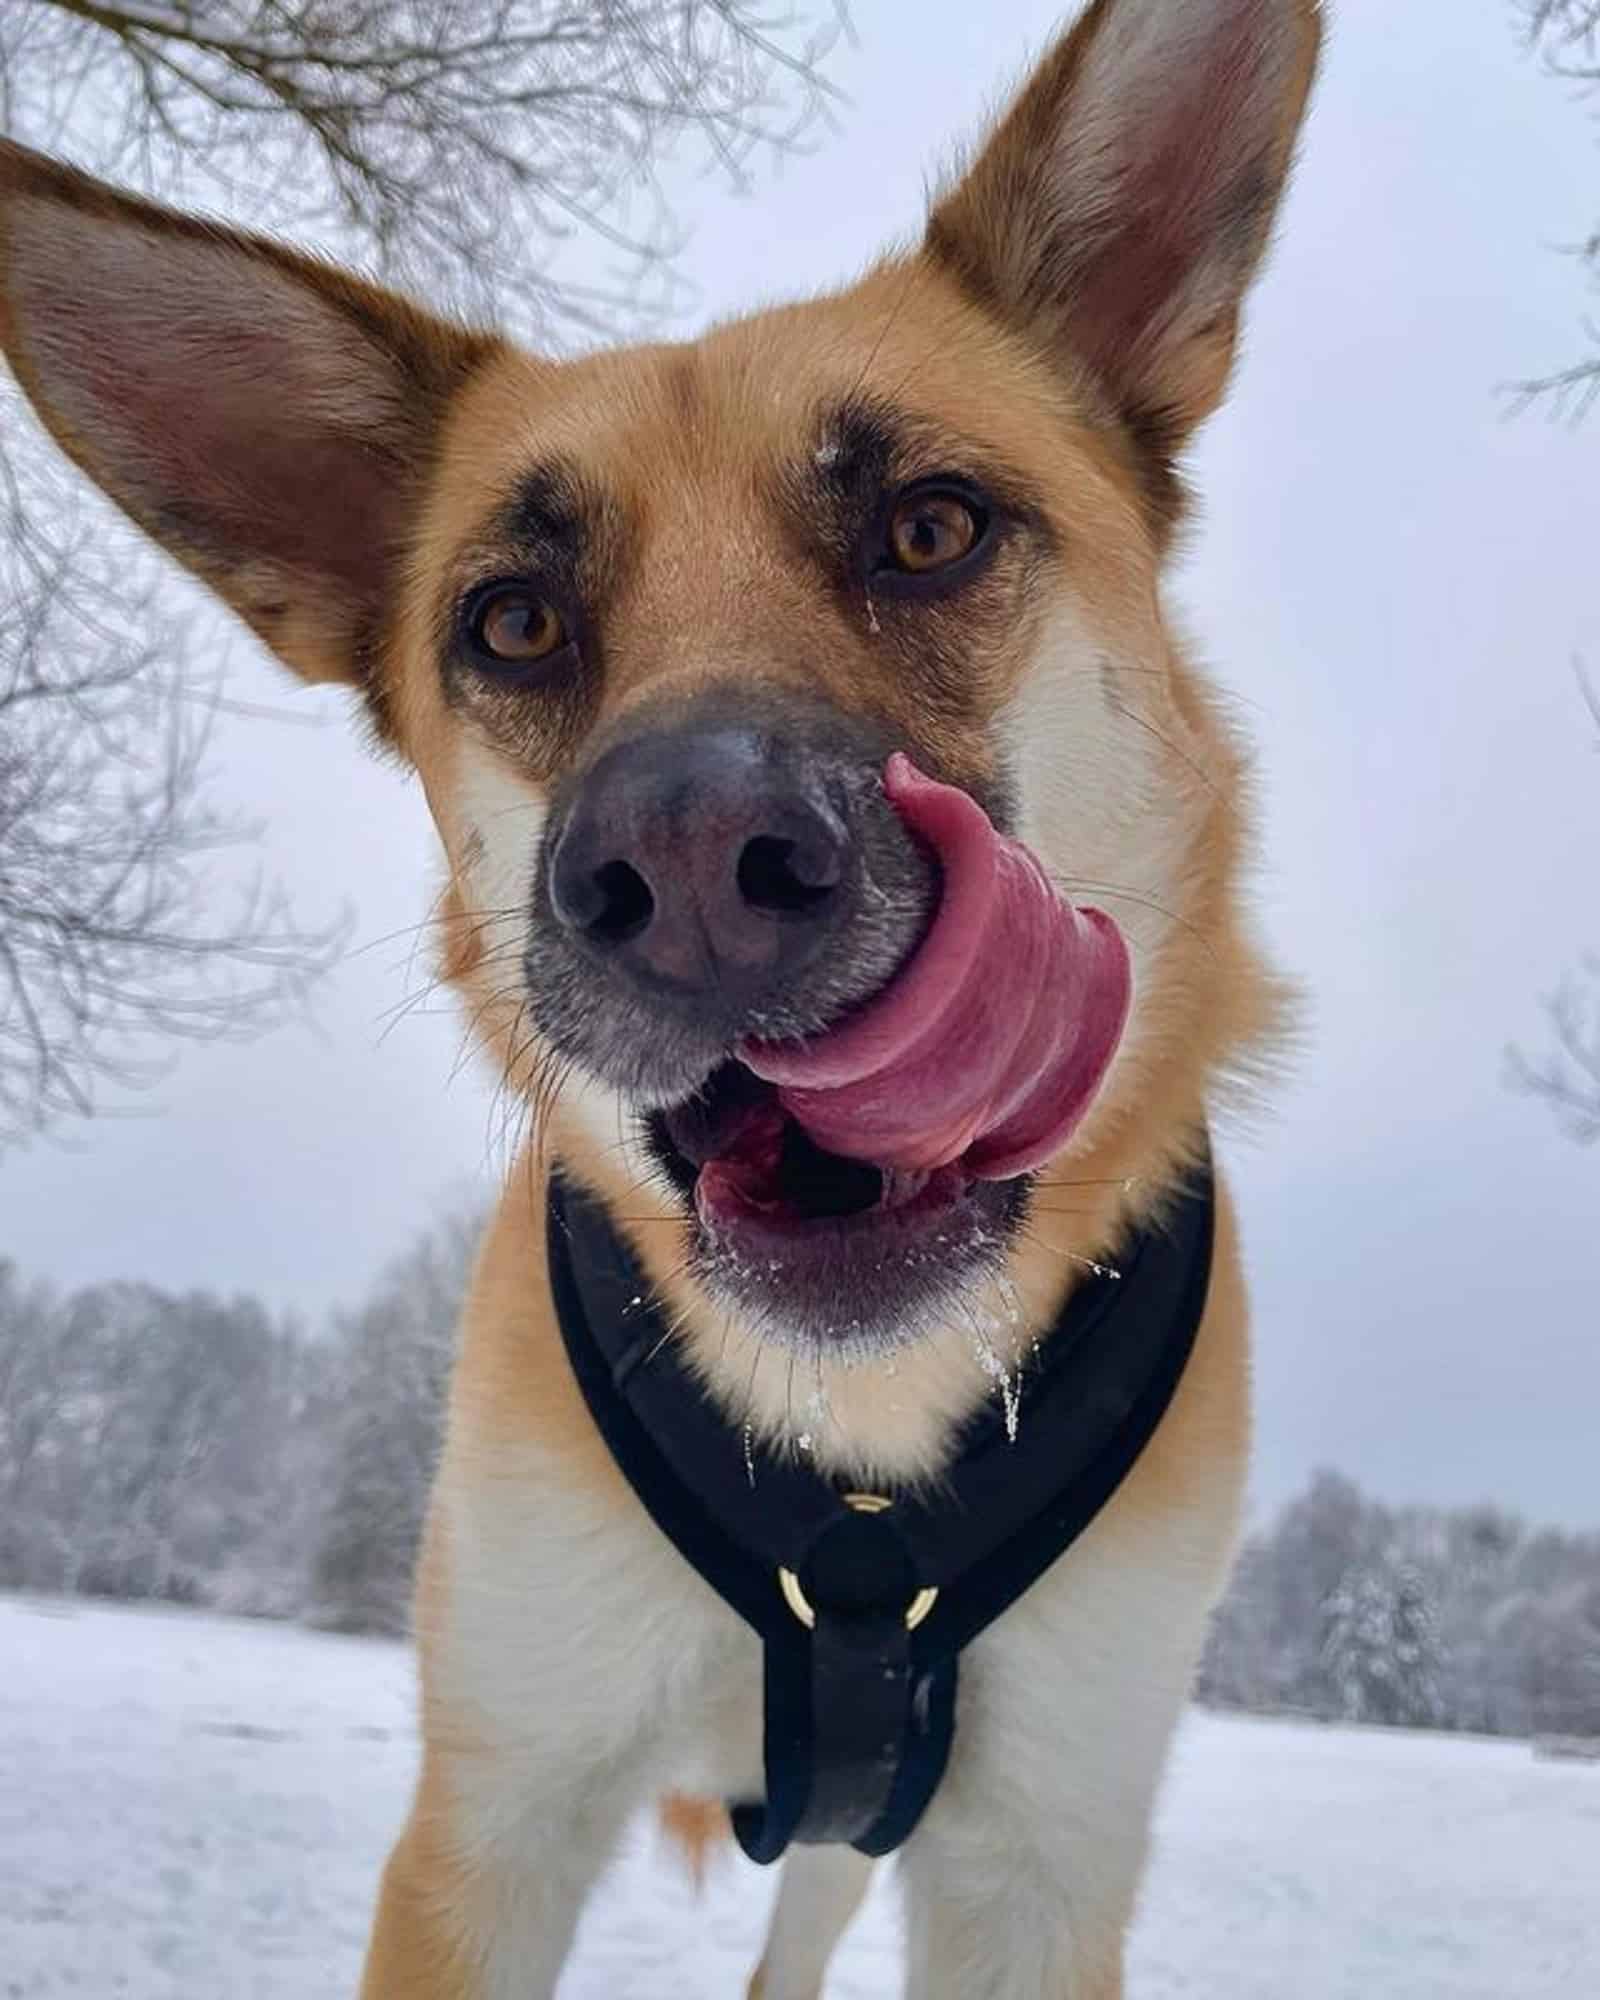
[[931, 530], [516, 627]]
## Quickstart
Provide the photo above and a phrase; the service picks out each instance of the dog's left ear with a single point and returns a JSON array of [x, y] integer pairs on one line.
[[1120, 208], [268, 419]]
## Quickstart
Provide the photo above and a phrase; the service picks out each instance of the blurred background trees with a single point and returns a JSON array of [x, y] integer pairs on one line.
[[189, 1448], [393, 1367], [157, 1445], [1423, 1617], [495, 154]]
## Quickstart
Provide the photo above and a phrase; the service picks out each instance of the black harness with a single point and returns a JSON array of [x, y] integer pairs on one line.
[[864, 1604]]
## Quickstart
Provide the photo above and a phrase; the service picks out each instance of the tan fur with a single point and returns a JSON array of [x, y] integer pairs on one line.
[[698, 1829], [1070, 318]]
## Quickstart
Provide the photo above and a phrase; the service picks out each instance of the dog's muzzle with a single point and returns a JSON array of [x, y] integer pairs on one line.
[[708, 868], [729, 872]]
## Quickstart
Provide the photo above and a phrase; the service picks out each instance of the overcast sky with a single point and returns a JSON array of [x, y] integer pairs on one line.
[[1391, 575]]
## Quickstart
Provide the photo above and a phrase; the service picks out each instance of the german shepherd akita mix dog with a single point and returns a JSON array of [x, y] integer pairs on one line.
[[844, 862]]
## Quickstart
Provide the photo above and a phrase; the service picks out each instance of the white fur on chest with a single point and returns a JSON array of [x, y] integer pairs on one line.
[[578, 1639], [579, 1643]]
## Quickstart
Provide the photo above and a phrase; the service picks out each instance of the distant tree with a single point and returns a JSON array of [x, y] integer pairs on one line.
[[397, 1352], [1321, 1538], [1243, 1665], [468, 143], [1473, 1557], [1566, 1662], [1380, 1647], [31, 1373]]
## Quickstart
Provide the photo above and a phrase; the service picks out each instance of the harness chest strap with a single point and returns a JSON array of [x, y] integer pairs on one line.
[[863, 1604]]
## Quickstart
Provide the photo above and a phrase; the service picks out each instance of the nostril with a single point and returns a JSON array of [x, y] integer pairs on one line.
[[789, 877], [620, 905]]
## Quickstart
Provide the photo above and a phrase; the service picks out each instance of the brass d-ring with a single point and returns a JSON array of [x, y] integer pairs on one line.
[[800, 1604]]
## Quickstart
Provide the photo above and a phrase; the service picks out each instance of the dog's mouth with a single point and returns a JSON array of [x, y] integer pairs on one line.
[[746, 1165], [855, 1255], [854, 1179]]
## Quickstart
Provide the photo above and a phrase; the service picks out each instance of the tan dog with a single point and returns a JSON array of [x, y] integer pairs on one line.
[[930, 513]]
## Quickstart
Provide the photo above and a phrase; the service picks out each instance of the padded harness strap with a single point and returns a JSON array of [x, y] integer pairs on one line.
[[865, 1603]]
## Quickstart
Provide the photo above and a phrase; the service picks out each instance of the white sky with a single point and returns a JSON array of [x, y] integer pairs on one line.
[[1392, 576]]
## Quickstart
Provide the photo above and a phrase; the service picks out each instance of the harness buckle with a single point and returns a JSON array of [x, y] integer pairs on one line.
[[794, 1595]]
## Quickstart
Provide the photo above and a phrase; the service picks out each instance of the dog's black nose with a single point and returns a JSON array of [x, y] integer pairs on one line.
[[705, 861]]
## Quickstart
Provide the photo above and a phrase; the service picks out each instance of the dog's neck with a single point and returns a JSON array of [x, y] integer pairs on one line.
[[892, 1417]]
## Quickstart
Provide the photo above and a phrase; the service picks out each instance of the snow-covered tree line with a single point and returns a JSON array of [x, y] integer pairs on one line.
[[189, 1447], [193, 1448], [1460, 1618]]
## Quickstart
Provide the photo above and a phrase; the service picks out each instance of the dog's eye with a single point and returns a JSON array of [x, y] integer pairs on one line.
[[511, 625], [931, 529]]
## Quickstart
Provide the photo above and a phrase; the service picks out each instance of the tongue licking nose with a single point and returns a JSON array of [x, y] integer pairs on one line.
[[988, 1047]]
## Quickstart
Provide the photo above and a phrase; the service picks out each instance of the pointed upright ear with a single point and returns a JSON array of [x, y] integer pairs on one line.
[[1121, 206], [264, 416]]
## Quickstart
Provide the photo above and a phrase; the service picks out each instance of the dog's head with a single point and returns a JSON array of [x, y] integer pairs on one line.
[[650, 624]]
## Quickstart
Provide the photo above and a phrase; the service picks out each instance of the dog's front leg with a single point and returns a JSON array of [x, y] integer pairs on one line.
[[992, 1923], [1021, 1881], [567, 1656], [496, 1923]]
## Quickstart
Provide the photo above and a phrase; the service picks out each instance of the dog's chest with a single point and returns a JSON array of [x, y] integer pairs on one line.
[[577, 1642]]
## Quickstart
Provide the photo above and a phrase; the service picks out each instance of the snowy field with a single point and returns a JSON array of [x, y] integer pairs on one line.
[[196, 1807]]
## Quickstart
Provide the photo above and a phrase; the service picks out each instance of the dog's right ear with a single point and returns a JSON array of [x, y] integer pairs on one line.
[[265, 417], [1120, 208]]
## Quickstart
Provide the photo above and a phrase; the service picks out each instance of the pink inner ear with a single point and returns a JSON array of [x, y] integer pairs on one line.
[[227, 406], [1173, 147]]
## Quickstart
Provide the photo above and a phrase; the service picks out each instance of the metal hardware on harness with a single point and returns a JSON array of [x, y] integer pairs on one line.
[[863, 1603], [794, 1595]]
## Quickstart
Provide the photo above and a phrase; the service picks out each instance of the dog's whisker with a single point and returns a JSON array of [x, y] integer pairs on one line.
[[1095, 1266], [1161, 736], [1076, 885], [890, 319], [478, 918], [1126, 1182], [676, 1324], [411, 1002]]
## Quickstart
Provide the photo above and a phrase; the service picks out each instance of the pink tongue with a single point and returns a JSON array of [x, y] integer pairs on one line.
[[988, 1047]]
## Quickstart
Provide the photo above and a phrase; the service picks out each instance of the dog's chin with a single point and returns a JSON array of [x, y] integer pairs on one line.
[[813, 1249]]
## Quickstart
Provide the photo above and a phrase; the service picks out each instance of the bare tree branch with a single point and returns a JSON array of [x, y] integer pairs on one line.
[[473, 144], [1565, 36], [470, 141], [1567, 1076], [1563, 26], [108, 950]]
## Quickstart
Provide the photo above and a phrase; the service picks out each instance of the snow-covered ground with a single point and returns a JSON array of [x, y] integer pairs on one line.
[[196, 1807]]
